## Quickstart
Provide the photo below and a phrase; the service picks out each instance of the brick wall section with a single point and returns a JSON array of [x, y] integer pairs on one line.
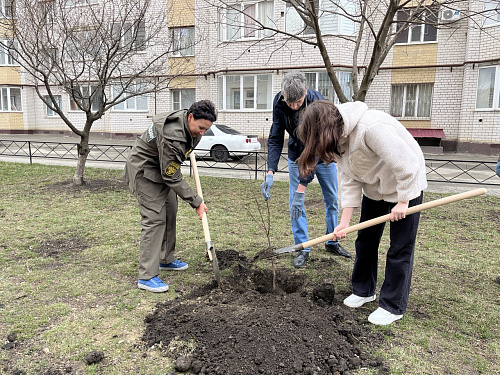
[[10, 75], [449, 85], [180, 13], [11, 121], [478, 125], [453, 107]]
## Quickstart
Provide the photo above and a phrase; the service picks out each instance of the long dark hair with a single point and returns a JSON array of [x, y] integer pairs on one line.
[[320, 129]]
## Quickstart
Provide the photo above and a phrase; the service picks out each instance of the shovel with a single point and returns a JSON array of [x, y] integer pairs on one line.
[[210, 249], [382, 219]]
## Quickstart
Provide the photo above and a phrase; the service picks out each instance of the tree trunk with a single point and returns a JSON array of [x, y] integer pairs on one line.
[[83, 152]]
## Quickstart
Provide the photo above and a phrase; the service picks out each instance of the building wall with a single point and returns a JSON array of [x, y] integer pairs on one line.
[[180, 13], [460, 49], [10, 75], [479, 125]]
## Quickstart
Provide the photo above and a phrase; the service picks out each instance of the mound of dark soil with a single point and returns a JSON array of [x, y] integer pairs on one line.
[[262, 322]]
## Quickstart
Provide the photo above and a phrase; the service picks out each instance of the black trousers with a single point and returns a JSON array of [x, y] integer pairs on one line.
[[399, 264]]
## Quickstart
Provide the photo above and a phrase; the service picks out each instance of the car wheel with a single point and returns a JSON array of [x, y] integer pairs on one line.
[[219, 153]]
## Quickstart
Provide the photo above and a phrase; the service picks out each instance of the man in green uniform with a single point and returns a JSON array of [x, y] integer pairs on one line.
[[153, 174]]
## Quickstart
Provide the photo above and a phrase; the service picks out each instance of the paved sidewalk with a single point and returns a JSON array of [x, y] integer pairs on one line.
[[439, 187]]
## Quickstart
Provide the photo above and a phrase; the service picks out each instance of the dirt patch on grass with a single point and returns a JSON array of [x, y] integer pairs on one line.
[[90, 185], [262, 321], [60, 246]]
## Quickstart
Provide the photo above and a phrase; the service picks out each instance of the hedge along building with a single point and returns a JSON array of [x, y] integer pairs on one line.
[[438, 81]]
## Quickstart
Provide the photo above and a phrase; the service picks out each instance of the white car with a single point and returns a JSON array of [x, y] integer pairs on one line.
[[221, 142]]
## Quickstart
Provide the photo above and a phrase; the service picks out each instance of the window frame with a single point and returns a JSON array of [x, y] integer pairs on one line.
[[73, 106], [6, 11], [243, 92], [79, 3], [343, 25], [8, 104], [240, 25], [8, 57], [496, 89], [48, 111], [409, 32], [486, 14], [139, 45], [180, 101], [127, 107], [415, 116], [182, 50], [315, 86]]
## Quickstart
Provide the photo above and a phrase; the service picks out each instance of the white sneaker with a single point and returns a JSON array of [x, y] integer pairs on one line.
[[357, 301], [382, 317]]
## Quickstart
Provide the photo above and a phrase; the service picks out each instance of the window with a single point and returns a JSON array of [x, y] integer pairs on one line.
[[492, 12], [182, 99], [240, 21], [70, 3], [131, 35], [182, 41], [82, 94], [7, 57], [411, 100], [139, 102], [50, 112], [320, 82], [49, 59], [83, 44], [424, 31], [47, 10], [245, 92], [331, 20], [6, 8], [488, 88], [10, 99]]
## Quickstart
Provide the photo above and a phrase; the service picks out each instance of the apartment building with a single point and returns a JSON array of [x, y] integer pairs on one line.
[[11, 105], [442, 83]]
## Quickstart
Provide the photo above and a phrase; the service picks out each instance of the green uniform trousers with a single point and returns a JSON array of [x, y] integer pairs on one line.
[[157, 236]]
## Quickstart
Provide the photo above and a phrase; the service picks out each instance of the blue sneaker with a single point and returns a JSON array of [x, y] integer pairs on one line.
[[176, 265], [153, 285]]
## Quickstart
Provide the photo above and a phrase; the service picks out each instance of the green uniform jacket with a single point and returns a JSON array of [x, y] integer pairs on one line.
[[157, 157]]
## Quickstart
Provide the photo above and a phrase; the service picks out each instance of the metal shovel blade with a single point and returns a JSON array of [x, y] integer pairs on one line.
[[289, 249], [215, 263]]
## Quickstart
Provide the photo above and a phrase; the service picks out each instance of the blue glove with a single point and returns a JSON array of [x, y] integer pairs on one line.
[[297, 205], [266, 186]]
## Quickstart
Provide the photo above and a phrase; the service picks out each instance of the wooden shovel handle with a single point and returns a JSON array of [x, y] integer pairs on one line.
[[204, 219], [384, 218]]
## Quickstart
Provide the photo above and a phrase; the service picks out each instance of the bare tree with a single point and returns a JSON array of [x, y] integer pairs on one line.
[[101, 53], [377, 26]]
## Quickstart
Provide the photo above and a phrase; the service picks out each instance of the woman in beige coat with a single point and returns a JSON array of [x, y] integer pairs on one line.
[[382, 170]]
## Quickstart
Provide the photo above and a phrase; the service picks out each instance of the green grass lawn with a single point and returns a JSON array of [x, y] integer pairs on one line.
[[69, 272]]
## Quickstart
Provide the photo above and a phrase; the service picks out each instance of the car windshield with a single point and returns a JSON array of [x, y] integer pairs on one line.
[[228, 130]]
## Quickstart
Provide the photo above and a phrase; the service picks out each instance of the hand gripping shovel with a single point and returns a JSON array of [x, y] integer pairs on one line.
[[381, 219], [210, 249]]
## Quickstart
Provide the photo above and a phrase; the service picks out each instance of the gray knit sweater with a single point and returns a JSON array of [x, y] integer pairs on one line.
[[380, 158]]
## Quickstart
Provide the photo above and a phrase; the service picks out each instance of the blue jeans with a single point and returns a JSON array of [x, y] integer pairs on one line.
[[327, 177], [498, 169]]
